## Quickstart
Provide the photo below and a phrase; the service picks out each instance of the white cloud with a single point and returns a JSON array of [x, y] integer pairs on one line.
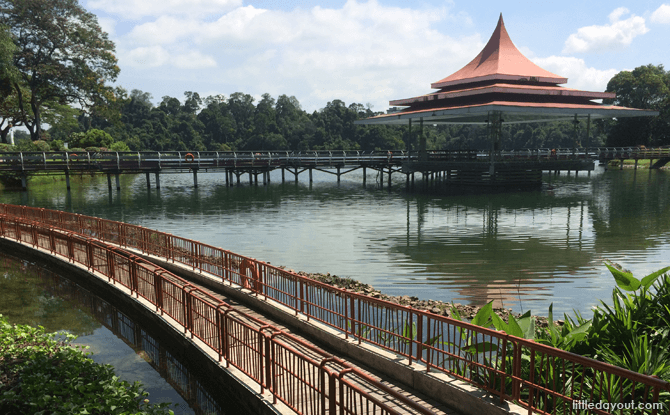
[[134, 9], [108, 25], [193, 60], [618, 33], [661, 15], [145, 57], [363, 52], [579, 75]]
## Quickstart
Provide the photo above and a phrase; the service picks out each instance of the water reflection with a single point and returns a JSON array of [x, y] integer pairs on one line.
[[32, 295], [523, 249]]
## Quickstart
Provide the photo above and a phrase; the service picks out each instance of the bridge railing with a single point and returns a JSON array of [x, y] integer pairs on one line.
[[540, 378], [302, 376]]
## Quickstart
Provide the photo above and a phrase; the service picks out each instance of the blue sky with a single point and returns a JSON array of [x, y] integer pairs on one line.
[[366, 51]]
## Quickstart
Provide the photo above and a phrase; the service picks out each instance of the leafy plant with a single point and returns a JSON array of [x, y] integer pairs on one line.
[[41, 374]]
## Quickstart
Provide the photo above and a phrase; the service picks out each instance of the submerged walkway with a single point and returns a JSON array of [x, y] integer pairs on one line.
[[251, 316], [373, 393], [458, 364]]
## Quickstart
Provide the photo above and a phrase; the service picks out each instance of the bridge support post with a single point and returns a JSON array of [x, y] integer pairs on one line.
[[364, 175], [195, 178], [227, 178], [238, 177], [67, 181], [338, 174], [283, 178], [265, 178], [109, 181], [118, 182], [381, 177], [636, 164], [412, 180], [158, 180], [24, 185], [310, 175], [268, 173], [390, 171], [251, 179], [621, 165], [148, 180]]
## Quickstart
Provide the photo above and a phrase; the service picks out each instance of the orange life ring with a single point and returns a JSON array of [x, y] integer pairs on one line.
[[189, 157], [249, 282]]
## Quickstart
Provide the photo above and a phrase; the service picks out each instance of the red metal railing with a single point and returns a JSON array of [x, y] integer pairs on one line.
[[302, 376], [538, 377]]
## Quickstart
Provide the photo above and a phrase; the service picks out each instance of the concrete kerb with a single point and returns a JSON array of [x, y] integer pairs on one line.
[[227, 382], [445, 389]]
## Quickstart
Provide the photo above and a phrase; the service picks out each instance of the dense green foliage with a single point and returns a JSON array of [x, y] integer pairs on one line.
[[39, 373], [62, 57], [645, 87], [60, 62], [632, 333], [220, 123]]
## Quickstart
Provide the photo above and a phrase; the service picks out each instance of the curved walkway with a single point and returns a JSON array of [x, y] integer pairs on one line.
[[360, 392], [415, 347]]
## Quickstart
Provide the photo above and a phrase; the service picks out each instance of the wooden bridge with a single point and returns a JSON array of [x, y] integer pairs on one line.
[[460, 167]]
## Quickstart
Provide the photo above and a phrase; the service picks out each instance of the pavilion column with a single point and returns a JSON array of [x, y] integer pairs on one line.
[[575, 122], [409, 137], [588, 134], [423, 154]]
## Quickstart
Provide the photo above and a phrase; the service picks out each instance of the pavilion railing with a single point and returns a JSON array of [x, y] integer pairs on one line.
[[302, 376], [540, 378]]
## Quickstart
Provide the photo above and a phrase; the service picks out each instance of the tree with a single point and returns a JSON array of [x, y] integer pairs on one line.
[[646, 87], [62, 55]]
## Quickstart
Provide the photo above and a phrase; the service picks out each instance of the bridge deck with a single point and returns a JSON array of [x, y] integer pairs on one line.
[[289, 373], [252, 315]]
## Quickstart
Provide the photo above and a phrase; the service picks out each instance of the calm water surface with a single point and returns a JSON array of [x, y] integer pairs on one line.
[[35, 296], [523, 250]]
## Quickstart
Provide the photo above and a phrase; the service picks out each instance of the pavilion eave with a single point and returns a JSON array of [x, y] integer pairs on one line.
[[513, 113]]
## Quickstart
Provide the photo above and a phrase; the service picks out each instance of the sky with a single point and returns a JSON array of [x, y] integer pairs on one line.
[[367, 52]]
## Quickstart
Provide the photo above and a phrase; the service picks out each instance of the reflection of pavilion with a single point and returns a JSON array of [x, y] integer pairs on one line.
[[500, 86]]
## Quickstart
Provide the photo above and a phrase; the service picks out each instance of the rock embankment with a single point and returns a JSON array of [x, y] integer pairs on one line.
[[467, 312]]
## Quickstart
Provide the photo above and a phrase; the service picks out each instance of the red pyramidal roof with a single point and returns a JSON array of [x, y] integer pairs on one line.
[[501, 79], [500, 60]]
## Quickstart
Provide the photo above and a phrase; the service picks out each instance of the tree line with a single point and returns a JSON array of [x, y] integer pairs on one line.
[[56, 65]]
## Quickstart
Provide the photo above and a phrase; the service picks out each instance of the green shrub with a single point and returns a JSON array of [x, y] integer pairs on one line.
[[41, 374]]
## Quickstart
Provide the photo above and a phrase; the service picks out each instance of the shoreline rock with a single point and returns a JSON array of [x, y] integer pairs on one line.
[[467, 312]]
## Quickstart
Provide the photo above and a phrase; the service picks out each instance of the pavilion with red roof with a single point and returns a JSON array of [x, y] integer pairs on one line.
[[502, 80], [501, 86]]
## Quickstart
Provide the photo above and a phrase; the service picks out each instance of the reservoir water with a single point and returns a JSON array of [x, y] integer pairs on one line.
[[30, 294], [522, 250]]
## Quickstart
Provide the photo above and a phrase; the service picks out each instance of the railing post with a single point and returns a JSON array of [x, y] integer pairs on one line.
[[89, 254], [340, 377], [352, 314], [133, 276], [220, 324], [111, 269], [419, 337], [158, 290], [188, 311], [303, 291], [503, 376], [33, 234]]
